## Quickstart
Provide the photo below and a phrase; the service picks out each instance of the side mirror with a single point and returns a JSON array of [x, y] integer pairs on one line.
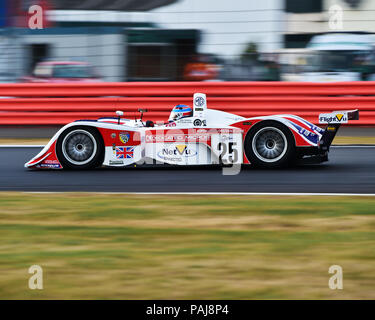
[[119, 114], [142, 111]]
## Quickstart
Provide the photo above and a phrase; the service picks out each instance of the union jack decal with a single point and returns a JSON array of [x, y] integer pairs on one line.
[[124, 152]]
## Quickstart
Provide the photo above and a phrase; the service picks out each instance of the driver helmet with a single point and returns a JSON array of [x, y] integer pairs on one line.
[[180, 111]]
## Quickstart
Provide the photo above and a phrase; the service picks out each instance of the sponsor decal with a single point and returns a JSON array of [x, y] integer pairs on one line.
[[124, 137], [197, 123], [201, 131], [176, 153], [185, 121], [199, 109], [317, 129], [312, 126], [333, 118], [309, 124], [116, 162], [124, 152], [193, 135], [226, 137], [171, 124], [331, 128], [52, 161], [178, 137], [181, 148], [53, 164], [113, 135], [310, 136], [49, 165], [246, 123], [199, 101]]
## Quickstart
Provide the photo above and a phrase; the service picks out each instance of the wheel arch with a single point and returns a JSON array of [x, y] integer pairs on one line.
[[265, 122], [259, 123], [91, 128]]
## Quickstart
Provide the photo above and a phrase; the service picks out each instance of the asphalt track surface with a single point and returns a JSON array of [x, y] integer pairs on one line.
[[350, 170]]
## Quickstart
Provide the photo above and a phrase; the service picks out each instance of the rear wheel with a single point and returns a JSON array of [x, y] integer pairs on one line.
[[270, 144], [80, 148]]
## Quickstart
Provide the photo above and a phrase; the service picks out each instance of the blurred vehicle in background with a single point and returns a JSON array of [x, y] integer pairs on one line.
[[292, 63], [203, 67], [62, 71], [340, 57], [251, 70]]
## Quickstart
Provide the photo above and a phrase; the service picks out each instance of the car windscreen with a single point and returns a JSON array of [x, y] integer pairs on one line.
[[72, 71], [335, 61]]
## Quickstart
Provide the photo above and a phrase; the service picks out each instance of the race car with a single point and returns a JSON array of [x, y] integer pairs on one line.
[[192, 136]]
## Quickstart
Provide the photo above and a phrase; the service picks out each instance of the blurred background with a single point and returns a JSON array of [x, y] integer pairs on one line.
[[188, 40]]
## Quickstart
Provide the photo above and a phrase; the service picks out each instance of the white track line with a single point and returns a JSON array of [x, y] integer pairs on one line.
[[212, 193]]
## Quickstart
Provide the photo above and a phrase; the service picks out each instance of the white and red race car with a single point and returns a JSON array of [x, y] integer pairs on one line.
[[192, 136]]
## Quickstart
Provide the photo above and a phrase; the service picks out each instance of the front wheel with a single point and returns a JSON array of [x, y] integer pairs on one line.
[[80, 148], [270, 144]]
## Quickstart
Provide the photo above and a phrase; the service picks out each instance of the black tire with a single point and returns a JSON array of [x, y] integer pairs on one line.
[[80, 147], [270, 144]]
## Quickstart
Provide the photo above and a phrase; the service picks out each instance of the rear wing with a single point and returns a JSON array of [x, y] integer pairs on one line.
[[334, 121], [339, 116]]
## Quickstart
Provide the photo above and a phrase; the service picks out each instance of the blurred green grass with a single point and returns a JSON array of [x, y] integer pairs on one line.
[[97, 246]]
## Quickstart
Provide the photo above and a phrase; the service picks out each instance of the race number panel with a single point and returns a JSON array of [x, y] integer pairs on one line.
[[227, 147]]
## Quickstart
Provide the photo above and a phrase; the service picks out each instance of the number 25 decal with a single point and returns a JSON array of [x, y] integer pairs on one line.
[[229, 153]]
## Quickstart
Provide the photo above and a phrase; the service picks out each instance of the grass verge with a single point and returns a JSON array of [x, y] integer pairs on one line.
[[353, 140], [94, 246], [25, 142]]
